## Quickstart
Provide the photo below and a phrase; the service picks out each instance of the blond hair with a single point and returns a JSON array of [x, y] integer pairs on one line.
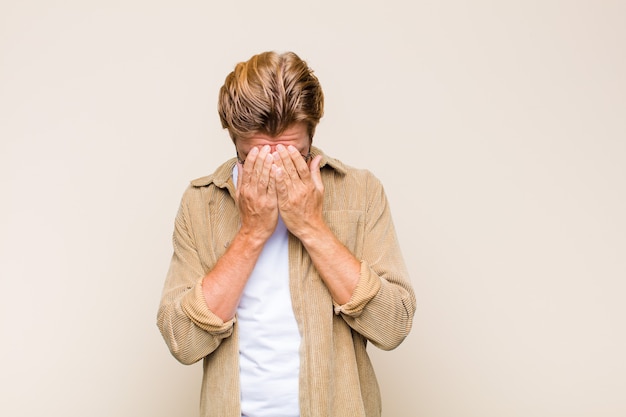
[[268, 93]]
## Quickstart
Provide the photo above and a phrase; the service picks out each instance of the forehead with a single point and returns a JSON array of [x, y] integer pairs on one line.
[[293, 133]]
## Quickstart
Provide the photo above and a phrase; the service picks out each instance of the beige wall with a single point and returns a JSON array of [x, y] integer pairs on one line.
[[498, 128]]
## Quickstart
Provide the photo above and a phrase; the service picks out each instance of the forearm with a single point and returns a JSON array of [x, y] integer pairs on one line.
[[223, 285], [337, 266], [382, 307]]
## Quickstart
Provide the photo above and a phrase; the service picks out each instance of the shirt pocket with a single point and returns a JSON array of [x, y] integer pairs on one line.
[[349, 227]]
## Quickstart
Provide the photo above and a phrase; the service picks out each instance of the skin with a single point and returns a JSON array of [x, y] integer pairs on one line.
[[275, 179]]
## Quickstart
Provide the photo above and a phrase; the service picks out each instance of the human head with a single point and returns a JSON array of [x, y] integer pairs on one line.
[[269, 93]]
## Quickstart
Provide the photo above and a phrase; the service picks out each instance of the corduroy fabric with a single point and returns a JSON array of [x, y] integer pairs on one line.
[[336, 376]]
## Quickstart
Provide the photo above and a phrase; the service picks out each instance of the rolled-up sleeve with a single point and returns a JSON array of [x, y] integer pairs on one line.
[[191, 331], [383, 304]]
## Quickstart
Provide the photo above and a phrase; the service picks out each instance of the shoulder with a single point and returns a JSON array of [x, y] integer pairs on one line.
[[220, 177], [336, 172], [350, 188], [339, 170], [216, 185]]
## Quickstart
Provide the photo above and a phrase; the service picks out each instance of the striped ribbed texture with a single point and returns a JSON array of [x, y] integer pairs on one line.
[[336, 376]]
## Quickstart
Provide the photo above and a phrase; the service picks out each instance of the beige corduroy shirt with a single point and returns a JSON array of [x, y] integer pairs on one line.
[[336, 376]]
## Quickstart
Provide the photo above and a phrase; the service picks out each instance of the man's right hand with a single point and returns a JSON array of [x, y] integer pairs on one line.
[[256, 194]]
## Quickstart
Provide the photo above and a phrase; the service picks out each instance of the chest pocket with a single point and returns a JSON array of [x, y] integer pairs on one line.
[[349, 227]]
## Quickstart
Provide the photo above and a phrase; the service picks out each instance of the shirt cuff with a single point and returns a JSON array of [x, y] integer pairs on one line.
[[194, 306], [366, 289]]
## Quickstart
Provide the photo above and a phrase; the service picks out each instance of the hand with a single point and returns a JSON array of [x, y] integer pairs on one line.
[[256, 194], [299, 189]]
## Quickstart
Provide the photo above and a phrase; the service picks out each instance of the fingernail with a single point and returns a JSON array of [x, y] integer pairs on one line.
[[254, 151], [292, 149]]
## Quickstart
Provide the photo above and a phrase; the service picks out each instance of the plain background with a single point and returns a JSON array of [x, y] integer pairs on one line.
[[497, 127]]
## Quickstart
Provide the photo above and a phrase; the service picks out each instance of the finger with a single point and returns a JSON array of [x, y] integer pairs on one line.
[[278, 163], [290, 170], [248, 166], [298, 162], [278, 174], [271, 184], [259, 162], [264, 177]]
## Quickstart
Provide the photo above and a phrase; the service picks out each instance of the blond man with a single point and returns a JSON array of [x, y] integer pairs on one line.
[[285, 264]]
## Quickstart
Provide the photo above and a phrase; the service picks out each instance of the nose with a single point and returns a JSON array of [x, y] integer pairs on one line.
[[273, 146]]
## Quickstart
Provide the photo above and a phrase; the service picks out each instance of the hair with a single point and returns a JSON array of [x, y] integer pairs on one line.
[[269, 93]]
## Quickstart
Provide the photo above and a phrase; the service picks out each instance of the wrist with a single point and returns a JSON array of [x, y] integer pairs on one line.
[[314, 233], [251, 238]]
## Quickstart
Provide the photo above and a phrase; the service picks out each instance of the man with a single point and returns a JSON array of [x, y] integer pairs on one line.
[[285, 262]]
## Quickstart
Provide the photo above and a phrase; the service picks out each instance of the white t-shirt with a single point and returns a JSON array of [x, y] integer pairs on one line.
[[269, 340]]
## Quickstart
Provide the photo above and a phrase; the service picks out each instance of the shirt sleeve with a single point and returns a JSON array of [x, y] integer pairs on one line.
[[383, 304], [190, 330]]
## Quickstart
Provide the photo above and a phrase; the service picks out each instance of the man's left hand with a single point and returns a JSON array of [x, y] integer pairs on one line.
[[299, 189]]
